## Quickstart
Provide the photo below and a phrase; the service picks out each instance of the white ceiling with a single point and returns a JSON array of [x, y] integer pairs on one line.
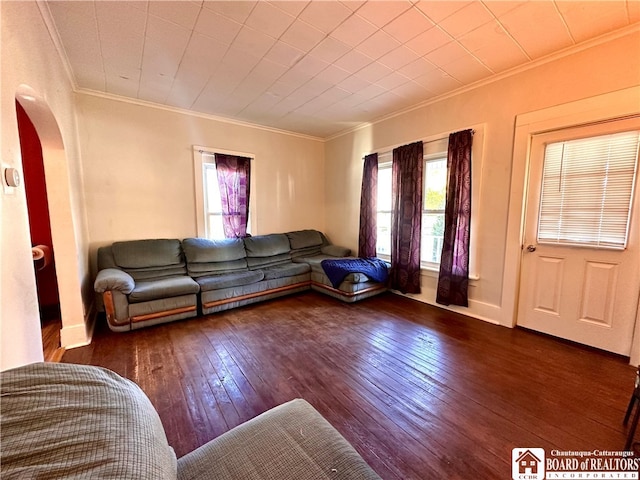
[[319, 67]]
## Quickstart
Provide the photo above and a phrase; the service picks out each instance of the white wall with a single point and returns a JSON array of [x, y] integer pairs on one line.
[[604, 67], [30, 65], [139, 173]]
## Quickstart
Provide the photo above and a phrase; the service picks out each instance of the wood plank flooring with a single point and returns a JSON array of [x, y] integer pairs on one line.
[[420, 392]]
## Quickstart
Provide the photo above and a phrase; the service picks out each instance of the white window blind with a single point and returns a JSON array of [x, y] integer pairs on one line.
[[587, 188]]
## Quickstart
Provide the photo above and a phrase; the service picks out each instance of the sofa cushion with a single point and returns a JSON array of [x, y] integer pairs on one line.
[[285, 270], [335, 251], [212, 257], [144, 254], [202, 250], [162, 288], [78, 422], [290, 441], [226, 280], [267, 250], [305, 239]]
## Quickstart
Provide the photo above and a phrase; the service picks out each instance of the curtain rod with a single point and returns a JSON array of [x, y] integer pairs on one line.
[[444, 136]]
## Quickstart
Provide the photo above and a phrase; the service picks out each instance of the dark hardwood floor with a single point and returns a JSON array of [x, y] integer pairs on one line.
[[420, 392]]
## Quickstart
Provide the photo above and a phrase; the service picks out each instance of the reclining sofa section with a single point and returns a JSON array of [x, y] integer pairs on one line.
[[146, 282]]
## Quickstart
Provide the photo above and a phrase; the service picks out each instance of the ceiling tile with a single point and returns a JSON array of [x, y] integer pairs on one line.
[[417, 68], [523, 24], [467, 69], [253, 41], [353, 84], [121, 32], [333, 74], [127, 87], [398, 58], [269, 20], [353, 61], [354, 30], [377, 45], [392, 81], [76, 24], [325, 16], [374, 72], [439, 10], [494, 47], [633, 11], [499, 8], [292, 7], [446, 54], [302, 36], [179, 12], [428, 41], [381, 12], [408, 25], [284, 54], [237, 11], [217, 26], [438, 82], [466, 19], [590, 19], [310, 65], [330, 49]]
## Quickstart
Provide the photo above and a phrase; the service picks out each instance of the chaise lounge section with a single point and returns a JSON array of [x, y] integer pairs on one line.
[[146, 282]]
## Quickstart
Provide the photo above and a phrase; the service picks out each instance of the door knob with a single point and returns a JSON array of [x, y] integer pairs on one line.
[[531, 248]]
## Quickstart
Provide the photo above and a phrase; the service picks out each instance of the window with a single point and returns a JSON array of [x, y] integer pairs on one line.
[[212, 203], [208, 202], [434, 198], [587, 188]]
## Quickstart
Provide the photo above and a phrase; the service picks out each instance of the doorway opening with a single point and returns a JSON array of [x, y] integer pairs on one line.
[[40, 231]]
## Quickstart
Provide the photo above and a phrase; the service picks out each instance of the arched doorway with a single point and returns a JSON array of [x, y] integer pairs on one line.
[[40, 229]]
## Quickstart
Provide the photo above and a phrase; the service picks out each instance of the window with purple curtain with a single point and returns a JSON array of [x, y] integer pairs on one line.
[[368, 208], [453, 280], [234, 175], [406, 222]]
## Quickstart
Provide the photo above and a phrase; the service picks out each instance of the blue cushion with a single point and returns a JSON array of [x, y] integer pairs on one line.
[[286, 270]]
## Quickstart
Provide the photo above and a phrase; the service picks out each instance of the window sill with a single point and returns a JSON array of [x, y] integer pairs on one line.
[[434, 272]]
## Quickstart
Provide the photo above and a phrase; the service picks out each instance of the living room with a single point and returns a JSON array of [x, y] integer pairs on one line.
[[123, 169]]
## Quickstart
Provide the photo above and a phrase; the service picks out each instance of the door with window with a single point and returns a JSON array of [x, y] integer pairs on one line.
[[580, 268]]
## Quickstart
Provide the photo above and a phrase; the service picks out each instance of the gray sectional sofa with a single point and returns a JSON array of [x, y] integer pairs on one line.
[[145, 282]]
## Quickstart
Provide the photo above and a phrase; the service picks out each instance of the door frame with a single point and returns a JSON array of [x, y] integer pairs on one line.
[[602, 108]]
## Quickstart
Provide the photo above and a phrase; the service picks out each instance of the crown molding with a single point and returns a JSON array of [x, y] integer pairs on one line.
[[193, 113]]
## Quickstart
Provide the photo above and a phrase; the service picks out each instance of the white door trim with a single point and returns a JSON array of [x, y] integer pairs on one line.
[[604, 107]]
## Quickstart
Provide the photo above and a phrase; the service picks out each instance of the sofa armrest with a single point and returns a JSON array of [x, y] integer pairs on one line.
[[114, 279], [289, 441], [335, 251]]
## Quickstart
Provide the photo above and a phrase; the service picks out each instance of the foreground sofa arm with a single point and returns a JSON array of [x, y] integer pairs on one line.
[[290, 441], [115, 285]]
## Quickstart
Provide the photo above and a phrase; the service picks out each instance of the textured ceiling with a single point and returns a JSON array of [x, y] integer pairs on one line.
[[319, 67]]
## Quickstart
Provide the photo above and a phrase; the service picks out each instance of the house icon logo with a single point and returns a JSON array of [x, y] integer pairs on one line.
[[527, 463]]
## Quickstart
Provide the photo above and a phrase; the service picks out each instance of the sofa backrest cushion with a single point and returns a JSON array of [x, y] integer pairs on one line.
[[212, 257], [144, 259], [76, 421], [267, 250], [305, 243]]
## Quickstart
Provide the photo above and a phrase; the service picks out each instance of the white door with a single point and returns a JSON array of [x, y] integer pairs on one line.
[[569, 287]]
